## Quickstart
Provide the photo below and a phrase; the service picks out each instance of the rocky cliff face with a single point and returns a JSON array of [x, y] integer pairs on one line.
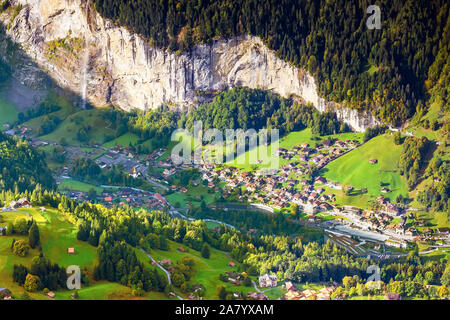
[[125, 71]]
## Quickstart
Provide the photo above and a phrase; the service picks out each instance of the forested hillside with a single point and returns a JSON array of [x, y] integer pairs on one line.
[[238, 108], [22, 167], [381, 70]]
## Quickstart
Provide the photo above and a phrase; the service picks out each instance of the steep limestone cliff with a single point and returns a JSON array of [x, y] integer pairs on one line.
[[124, 70]]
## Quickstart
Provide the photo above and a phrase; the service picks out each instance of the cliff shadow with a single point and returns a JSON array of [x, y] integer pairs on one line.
[[25, 83]]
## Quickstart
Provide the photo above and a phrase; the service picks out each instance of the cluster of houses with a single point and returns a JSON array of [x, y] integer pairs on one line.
[[294, 294], [132, 197], [278, 191], [321, 155], [172, 165], [122, 156], [234, 277], [123, 196]]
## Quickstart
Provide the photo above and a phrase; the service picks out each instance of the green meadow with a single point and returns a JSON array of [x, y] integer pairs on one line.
[[207, 271], [66, 109], [8, 112], [98, 130], [57, 235], [124, 140], [191, 195], [354, 168], [75, 185]]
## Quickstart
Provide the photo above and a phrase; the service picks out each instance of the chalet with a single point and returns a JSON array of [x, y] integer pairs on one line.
[[5, 294], [51, 294], [400, 230], [252, 295], [268, 280], [166, 261], [309, 294], [71, 250], [320, 180], [326, 143], [396, 243], [292, 295], [373, 161], [411, 231], [181, 249], [23, 202], [231, 264], [290, 287], [385, 190], [393, 296]]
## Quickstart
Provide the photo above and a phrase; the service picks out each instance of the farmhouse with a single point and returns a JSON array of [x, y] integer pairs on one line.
[[393, 296], [290, 287], [23, 202], [5, 294], [396, 243], [268, 280], [71, 250], [166, 261]]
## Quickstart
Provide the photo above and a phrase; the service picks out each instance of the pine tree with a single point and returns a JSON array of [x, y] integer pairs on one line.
[[34, 236], [206, 252]]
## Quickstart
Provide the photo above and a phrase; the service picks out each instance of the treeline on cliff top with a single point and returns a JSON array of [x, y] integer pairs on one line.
[[379, 70]]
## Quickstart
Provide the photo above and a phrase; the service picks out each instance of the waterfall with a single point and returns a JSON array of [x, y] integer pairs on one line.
[[85, 66]]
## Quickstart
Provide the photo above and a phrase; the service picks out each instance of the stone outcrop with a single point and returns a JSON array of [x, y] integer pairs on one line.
[[126, 71]]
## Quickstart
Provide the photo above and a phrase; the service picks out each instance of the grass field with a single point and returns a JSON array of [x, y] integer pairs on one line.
[[75, 185], [8, 112], [207, 270], [123, 140], [66, 109], [182, 198], [98, 129], [58, 234], [354, 168]]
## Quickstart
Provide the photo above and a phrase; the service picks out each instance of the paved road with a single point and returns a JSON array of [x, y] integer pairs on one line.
[[157, 183], [161, 267], [256, 288], [11, 210]]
